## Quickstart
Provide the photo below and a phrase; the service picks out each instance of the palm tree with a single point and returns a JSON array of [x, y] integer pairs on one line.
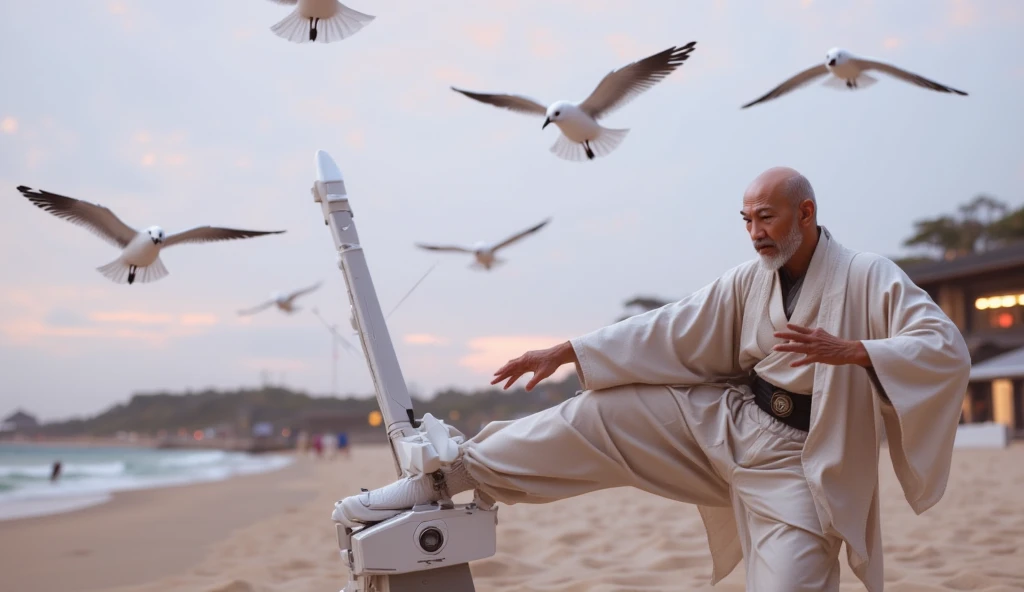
[[1010, 228], [969, 233], [974, 226], [943, 233]]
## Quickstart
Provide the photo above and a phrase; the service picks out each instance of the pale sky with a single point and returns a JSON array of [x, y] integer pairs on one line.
[[193, 112]]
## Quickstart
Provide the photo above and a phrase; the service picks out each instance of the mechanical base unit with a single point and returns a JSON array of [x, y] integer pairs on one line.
[[425, 549]]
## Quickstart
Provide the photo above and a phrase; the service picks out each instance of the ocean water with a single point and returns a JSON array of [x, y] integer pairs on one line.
[[89, 475]]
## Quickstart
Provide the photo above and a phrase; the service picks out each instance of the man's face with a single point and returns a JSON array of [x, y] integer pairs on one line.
[[772, 224]]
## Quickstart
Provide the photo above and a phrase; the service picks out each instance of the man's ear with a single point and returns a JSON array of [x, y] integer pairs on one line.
[[807, 211]]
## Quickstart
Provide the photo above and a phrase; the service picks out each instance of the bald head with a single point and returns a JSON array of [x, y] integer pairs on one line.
[[783, 183], [782, 216]]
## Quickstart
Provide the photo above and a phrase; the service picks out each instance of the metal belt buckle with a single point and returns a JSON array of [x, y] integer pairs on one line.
[[782, 404]]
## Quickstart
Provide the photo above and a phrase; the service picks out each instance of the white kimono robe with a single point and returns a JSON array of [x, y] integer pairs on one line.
[[724, 331]]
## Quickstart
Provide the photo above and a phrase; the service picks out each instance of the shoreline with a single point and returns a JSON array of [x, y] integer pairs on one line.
[[83, 442], [26, 504], [225, 444], [142, 535]]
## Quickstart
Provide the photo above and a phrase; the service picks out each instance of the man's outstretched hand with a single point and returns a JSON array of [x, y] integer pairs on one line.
[[542, 363], [819, 346]]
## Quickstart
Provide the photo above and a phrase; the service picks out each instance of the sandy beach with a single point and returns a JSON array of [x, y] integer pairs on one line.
[[271, 532]]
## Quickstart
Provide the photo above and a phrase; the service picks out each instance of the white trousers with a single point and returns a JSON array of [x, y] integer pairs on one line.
[[708, 445]]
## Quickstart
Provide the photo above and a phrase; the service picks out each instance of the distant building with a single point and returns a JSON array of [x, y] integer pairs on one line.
[[355, 424], [984, 295], [19, 421]]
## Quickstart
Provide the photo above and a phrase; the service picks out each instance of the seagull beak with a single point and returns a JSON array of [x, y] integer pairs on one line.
[[547, 120]]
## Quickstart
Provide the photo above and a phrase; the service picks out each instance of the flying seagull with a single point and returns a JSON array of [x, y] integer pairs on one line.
[[140, 251], [319, 20], [484, 253], [582, 136], [848, 71], [284, 302]]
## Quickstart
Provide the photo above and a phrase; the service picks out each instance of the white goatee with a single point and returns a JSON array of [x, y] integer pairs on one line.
[[787, 248]]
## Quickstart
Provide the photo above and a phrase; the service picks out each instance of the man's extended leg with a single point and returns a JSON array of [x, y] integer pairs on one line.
[[640, 436]]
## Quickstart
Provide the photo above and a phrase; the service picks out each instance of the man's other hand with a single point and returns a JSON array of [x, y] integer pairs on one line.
[[542, 363], [818, 346]]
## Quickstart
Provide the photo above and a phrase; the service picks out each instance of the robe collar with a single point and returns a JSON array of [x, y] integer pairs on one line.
[[810, 292]]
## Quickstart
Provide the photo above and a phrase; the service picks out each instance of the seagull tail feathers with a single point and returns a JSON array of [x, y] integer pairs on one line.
[[118, 270], [495, 263], [603, 145], [344, 23], [863, 81]]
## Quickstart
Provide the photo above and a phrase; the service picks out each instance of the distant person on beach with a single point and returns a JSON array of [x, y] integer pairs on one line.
[[330, 444], [55, 473], [343, 444], [302, 442], [318, 445], [760, 398]]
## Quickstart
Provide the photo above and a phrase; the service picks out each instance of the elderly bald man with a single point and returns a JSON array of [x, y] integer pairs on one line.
[[761, 398]]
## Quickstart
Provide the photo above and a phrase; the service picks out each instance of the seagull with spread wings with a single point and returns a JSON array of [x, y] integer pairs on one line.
[[140, 251], [285, 302], [582, 136], [848, 71], [319, 20], [484, 253]]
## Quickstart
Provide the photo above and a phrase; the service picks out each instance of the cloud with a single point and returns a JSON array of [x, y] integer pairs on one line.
[[242, 34], [9, 125], [48, 326], [424, 339], [454, 76], [627, 48], [195, 320], [892, 42], [490, 353], [145, 318], [356, 139], [119, 9], [131, 317], [320, 110], [962, 13], [158, 150], [611, 225], [486, 36], [34, 157], [176, 159], [38, 333], [543, 43]]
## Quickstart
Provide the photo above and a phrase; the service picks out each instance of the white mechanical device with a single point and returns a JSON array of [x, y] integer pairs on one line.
[[426, 548]]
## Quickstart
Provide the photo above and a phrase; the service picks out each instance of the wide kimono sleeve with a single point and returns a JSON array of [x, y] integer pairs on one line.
[[922, 365], [692, 341]]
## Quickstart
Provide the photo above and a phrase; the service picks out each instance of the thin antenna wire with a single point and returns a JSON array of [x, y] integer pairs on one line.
[[333, 329], [407, 294]]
